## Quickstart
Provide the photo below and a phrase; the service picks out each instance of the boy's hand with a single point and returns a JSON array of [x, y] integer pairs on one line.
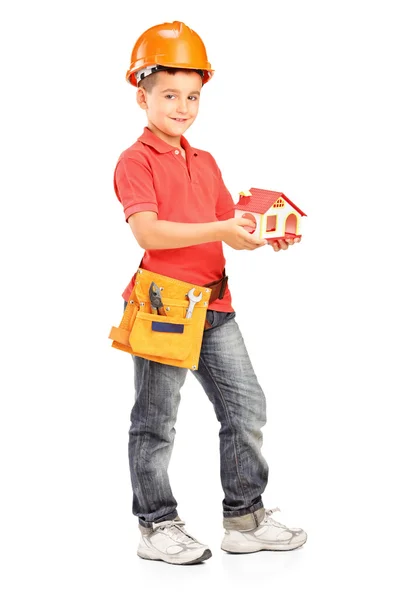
[[235, 235], [284, 244]]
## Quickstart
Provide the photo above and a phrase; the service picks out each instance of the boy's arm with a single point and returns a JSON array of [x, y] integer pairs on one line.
[[152, 233], [133, 184]]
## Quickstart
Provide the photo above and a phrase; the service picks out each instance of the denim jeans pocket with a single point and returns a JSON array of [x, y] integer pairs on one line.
[[217, 318], [210, 316]]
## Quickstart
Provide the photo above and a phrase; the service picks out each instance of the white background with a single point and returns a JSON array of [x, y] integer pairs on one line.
[[304, 100]]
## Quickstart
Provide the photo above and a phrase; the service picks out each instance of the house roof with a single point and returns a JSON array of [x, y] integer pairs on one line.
[[261, 200]]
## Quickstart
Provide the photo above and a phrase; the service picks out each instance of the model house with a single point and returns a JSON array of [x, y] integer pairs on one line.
[[274, 215]]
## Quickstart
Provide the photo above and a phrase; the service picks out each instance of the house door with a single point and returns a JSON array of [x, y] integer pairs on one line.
[[291, 225]]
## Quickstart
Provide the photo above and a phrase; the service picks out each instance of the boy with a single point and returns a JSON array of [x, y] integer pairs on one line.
[[180, 212]]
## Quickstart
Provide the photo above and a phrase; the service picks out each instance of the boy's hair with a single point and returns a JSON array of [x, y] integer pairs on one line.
[[150, 81]]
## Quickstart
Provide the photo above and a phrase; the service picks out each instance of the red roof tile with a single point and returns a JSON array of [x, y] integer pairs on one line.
[[261, 200]]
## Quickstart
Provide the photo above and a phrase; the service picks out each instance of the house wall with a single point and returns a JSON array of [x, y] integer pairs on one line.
[[281, 214]]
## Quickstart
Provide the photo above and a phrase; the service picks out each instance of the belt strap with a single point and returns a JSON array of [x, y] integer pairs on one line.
[[217, 288]]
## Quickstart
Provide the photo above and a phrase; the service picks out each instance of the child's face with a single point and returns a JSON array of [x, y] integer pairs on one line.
[[173, 97]]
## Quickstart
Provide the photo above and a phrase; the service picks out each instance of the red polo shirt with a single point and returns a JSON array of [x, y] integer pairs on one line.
[[153, 175]]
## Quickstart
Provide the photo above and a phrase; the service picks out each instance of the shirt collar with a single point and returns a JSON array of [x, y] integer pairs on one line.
[[151, 139]]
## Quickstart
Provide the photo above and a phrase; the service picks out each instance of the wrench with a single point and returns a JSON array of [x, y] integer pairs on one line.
[[193, 299]]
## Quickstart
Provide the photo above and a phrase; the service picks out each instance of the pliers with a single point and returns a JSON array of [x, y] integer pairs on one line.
[[157, 307]]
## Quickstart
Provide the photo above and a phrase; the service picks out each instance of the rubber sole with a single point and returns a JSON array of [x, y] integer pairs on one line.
[[282, 548], [206, 554]]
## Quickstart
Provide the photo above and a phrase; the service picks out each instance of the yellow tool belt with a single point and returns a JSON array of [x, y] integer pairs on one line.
[[171, 338]]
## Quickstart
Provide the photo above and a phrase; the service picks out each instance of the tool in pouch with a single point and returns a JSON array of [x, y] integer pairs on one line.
[[172, 338], [157, 306]]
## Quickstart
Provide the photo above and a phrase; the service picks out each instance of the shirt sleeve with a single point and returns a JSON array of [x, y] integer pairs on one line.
[[134, 186]]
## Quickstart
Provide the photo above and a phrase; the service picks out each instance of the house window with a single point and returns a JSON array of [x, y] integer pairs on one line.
[[279, 203], [271, 223]]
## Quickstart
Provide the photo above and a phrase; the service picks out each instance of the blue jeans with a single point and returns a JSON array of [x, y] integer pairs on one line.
[[228, 378]]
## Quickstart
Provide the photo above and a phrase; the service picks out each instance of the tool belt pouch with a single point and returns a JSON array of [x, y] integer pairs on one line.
[[172, 340]]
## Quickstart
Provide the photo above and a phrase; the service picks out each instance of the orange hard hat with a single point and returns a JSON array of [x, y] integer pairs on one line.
[[168, 45]]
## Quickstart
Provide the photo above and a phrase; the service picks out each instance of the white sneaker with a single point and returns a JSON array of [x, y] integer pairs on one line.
[[168, 541], [269, 535]]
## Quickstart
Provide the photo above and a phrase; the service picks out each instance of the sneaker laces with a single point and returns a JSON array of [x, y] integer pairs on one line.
[[269, 519], [176, 530]]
